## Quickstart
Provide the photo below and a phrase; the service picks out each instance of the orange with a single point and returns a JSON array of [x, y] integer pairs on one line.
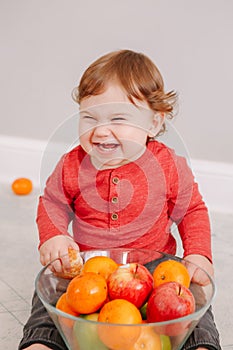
[[148, 340], [171, 271], [65, 322], [86, 293], [22, 186], [64, 306], [103, 265], [76, 264], [121, 312]]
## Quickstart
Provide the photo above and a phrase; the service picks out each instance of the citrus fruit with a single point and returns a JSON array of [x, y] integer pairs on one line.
[[75, 262], [123, 313], [65, 322], [86, 333], [64, 306], [86, 293], [103, 265], [148, 340], [171, 271], [22, 186]]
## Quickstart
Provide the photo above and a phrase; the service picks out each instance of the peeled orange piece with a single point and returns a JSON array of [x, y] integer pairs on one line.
[[76, 265]]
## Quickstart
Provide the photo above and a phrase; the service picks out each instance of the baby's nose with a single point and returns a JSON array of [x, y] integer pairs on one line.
[[102, 130]]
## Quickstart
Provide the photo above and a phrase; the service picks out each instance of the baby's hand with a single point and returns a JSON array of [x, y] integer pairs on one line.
[[196, 274], [57, 248]]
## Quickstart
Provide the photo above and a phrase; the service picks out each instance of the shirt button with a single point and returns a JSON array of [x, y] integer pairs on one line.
[[114, 200], [115, 180], [114, 216]]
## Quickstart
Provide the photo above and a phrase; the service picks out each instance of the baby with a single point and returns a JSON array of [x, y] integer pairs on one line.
[[121, 187]]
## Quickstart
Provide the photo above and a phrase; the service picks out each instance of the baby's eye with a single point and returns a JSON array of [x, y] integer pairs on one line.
[[88, 118], [118, 119]]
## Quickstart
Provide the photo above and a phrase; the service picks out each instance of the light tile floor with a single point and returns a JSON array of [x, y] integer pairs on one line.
[[19, 263]]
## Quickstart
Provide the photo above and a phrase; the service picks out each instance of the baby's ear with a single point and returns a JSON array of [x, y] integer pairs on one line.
[[157, 123]]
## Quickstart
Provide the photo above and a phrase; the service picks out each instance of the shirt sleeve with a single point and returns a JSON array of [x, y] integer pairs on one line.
[[54, 209], [188, 210]]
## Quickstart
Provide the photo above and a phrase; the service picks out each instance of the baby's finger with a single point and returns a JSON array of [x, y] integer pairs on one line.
[[200, 277], [44, 259], [65, 261], [191, 268], [56, 266]]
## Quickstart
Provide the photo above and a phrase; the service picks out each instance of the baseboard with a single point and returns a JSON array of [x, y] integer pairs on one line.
[[22, 158], [215, 181]]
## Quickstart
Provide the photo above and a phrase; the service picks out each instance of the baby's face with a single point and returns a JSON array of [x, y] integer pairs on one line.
[[113, 131]]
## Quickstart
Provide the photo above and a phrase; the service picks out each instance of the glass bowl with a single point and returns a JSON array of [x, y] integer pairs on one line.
[[79, 333]]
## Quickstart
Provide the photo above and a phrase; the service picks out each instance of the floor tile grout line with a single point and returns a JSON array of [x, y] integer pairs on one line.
[[12, 314], [15, 291], [6, 309]]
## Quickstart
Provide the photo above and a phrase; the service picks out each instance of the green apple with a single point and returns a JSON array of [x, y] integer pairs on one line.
[[166, 342], [143, 311], [86, 334]]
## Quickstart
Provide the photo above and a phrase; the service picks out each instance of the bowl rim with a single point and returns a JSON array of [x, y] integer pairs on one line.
[[194, 316]]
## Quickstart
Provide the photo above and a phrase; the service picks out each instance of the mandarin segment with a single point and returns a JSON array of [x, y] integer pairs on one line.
[[76, 262], [76, 265]]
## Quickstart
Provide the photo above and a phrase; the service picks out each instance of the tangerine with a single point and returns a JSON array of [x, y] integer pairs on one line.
[[63, 305], [171, 271], [22, 186], [148, 340], [103, 265], [127, 316], [86, 293], [75, 262]]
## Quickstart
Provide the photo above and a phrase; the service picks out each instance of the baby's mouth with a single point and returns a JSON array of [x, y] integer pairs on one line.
[[106, 147]]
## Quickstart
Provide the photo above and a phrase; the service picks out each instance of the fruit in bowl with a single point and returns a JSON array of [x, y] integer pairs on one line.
[[132, 282], [87, 333], [170, 301], [118, 317], [171, 271]]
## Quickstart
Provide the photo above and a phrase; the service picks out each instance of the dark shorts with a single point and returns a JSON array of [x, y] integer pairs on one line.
[[41, 329]]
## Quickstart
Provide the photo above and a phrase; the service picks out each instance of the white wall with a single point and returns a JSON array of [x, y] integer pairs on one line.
[[47, 44]]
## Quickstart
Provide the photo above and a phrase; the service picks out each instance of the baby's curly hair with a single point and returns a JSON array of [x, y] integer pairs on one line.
[[138, 76]]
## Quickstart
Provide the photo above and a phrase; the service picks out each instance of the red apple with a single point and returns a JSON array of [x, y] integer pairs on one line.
[[132, 282], [170, 301]]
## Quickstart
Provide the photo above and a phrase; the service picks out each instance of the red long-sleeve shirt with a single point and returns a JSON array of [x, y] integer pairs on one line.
[[130, 206]]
